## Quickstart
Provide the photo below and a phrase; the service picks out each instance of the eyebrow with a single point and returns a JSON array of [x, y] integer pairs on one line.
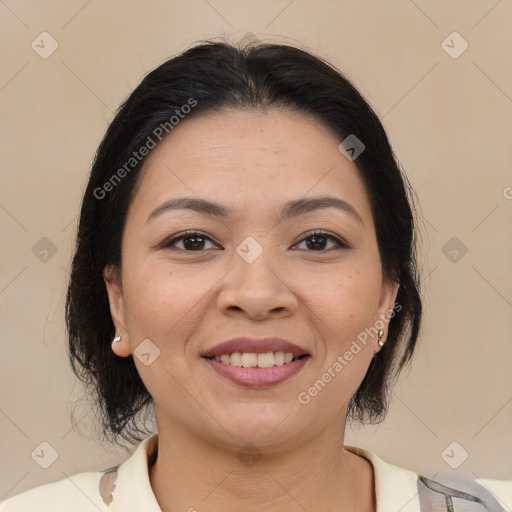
[[290, 210]]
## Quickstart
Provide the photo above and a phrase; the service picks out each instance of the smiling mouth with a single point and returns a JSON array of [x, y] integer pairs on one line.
[[244, 368], [254, 360]]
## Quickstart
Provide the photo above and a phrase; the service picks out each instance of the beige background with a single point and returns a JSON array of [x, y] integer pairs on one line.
[[449, 120]]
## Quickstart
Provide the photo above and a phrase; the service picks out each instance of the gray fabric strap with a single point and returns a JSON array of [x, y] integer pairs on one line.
[[468, 496]]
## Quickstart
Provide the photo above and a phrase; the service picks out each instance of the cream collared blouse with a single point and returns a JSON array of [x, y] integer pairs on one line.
[[126, 488]]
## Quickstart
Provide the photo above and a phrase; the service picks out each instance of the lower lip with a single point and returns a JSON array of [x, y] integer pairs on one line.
[[258, 377]]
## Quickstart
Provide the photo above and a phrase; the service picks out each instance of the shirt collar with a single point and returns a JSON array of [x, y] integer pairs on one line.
[[395, 487], [133, 489]]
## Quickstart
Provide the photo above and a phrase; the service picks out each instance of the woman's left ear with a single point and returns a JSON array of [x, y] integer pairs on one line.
[[121, 345], [388, 299]]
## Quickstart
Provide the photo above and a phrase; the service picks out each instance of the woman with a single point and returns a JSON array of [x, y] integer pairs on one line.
[[245, 264]]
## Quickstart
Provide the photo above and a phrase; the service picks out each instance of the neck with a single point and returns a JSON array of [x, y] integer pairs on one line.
[[316, 474]]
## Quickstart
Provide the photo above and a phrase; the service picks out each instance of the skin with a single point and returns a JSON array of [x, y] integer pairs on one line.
[[186, 300]]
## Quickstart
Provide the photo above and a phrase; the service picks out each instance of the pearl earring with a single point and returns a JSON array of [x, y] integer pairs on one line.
[[381, 337]]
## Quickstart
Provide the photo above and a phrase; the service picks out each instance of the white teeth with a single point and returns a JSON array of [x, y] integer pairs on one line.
[[235, 359], [266, 360], [252, 360], [249, 360], [279, 358]]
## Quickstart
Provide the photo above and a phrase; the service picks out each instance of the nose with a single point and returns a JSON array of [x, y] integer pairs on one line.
[[257, 290]]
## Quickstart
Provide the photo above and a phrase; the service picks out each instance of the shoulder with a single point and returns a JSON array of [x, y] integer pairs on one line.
[[79, 492], [117, 489], [398, 488]]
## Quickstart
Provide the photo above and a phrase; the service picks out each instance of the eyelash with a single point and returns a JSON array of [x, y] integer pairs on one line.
[[167, 244]]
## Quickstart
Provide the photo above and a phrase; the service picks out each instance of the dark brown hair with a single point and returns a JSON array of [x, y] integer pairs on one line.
[[216, 75]]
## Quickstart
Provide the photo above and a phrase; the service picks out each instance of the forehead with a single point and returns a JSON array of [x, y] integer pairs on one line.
[[250, 159]]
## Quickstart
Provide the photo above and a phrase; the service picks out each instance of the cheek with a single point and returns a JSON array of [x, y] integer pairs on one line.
[[161, 308], [344, 308], [149, 302], [162, 304], [347, 298]]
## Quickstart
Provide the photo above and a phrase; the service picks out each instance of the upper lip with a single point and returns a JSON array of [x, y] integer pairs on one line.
[[255, 345]]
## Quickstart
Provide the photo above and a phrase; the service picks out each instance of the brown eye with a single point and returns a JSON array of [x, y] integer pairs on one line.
[[193, 241], [318, 241]]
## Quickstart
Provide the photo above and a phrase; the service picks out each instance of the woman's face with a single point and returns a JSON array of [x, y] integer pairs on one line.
[[249, 273]]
